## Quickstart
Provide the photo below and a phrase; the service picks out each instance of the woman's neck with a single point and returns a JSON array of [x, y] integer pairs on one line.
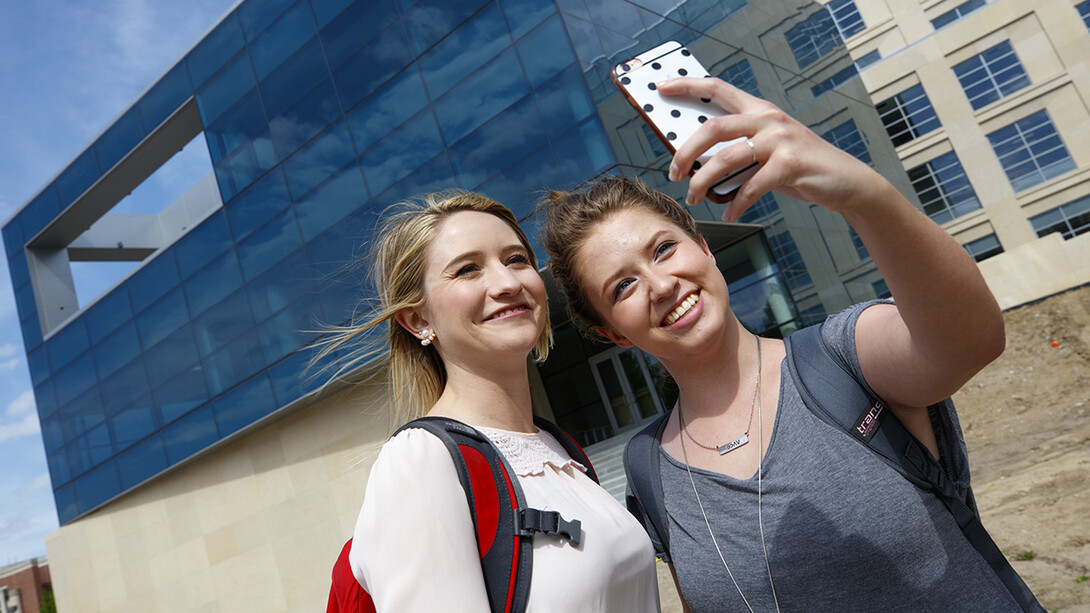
[[493, 400], [711, 382]]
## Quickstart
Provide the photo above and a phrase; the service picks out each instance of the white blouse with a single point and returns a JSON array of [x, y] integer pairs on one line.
[[414, 547]]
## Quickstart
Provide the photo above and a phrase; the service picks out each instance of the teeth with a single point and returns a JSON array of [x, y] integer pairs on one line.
[[507, 312], [681, 309]]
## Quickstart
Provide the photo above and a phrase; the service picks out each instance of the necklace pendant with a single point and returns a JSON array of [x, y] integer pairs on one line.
[[732, 445]]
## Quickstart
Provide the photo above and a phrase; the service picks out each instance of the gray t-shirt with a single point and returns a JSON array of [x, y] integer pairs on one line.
[[843, 530]]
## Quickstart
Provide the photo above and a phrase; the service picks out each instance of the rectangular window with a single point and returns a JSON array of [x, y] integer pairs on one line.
[[741, 76], [984, 248], [846, 16], [943, 188], [1071, 219], [1031, 151], [790, 260], [814, 38], [847, 137], [991, 75], [869, 59], [957, 13], [764, 208], [881, 290], [835, 81], [860, 248], [908, 115], [1084, 12]]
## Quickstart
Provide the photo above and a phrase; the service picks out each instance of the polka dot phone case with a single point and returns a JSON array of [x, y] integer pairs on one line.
[[674, 119]]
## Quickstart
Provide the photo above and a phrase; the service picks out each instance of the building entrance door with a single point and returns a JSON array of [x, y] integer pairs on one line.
[[625, 384]]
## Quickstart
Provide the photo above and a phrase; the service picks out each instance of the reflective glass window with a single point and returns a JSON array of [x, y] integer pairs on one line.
[[847, 137], [17, 266], [162, 318], [1084, 12], [164, 98], [993, 74], [143, 460], [79, 457], [58, 462], [222, 322], [282, 39], [312, 164], [213, 282], [256, 16], [119, 139], [244, 405], [250, 209], [293, 78], [868, 59], [77, 177], [339, 247], [181, 394], [908, 115], [583, 151], [65, 497], [235, 127], [38, 362], [523, 15], [224, 89], [329, 202], [341, 299], [984, 247], [740, 74], [135, 422], [110, 311], [564, 100], [81, 414], [545, 51], [943, 188], [13, 237], [124, 386], [221, 44], [99, 444], [265, 245], [519, 187], [431, 20], [789, 259], [190, 434], [467, 49], [813, 38], [957, 13], [74, 379], [402, 151], [307, 117], [290, 329], [246, 165], [291, 379], [835, 81], [116, 350], [39, 212], [353, 28], [52, 436], [172, 355], [387, 108], [325, 10], [154, 279], [373, 65], [32, 332], [24, 301], [45, 398], [1070, 220], [480, 96], [509, 136], [281, 285], [97, 486], [236, 361], [201, 244], [1031, 151], [847, 17], [436, 175]]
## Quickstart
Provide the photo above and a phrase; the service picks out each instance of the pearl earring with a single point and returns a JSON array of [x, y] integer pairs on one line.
[[429, 336]]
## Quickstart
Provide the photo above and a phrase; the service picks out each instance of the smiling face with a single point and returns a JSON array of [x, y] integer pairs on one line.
[[652, 285], [482, 296]]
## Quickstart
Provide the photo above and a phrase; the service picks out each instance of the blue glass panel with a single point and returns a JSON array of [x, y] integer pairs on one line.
[[316, 110], [203, 243], [170, 357], [280, 286], [465, 50], [326, 10], [256, 16], [97, 486], [58, 462], [290, 329], [142, 461], [354, 27], [337, 248], [99, 444], [244, 405], [245, 166], [434, 176], [265, 245], [18, 269], [265, 199], [522, 15], [588, 47], [108, 313], [123, 388], [390, 106], [24, 301], [341, 299], [564, 101], [282, 38], [326, 154], [135, 422], [238, 360], [235, 127], [545, 51], [583, 151], [39, 212], [162, 318], [506, 138], [431, 20], [116, 350], [293, 78], [401, 152], [213, 283], [291, 378], [482, 95], [190, 434], [164, 98], [221, 44], [520, 186], [79, 457], [38, 362], [65, 498], [181, 394], [32, 333], [117, 141], [45, 399], [224, 89], [373, 65], [13, 237], [82, 414], [75, 378], [153, 280], [222, 323], [77, 177], [813, 38]]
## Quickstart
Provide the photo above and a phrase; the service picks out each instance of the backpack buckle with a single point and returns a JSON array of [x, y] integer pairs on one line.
[[528, 521]]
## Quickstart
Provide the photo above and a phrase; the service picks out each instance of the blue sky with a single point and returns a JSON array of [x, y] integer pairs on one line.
[[67, 69]]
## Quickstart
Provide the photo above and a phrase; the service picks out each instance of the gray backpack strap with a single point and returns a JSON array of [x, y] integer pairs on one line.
[[644, 497], [833, 394]]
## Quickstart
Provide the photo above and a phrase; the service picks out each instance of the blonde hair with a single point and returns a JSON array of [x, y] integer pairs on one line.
[[570, 217], [398, 260]]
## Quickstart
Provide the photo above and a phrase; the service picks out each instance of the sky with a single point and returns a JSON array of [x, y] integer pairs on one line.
[[67, 69]]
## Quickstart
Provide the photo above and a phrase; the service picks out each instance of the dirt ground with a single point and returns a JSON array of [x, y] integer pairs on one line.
[[1026, 419]]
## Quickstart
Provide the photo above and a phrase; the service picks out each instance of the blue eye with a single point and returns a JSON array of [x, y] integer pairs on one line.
[[664, 248], [621, 287]]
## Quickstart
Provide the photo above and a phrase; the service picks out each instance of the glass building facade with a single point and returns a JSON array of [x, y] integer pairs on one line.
[[318, 114]]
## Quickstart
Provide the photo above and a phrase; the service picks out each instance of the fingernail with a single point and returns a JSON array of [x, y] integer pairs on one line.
[[673, 172], [690, 199]]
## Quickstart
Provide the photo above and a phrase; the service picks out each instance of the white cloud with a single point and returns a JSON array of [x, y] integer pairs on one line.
[[10, 364], [22, 405], [8, 349], [41, 482], [26, 426]]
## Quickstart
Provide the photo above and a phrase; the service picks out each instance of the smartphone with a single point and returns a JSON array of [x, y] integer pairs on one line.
[[674, 119]]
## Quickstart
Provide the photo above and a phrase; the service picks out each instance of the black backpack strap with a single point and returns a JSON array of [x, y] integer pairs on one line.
[[833, 394], [568, 443], [644, 497]]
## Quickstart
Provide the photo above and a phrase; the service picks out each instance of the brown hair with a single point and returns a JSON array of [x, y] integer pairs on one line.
[[398, 259], [570, 216]]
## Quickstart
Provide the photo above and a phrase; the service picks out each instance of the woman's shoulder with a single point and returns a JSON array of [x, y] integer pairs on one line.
[[411, 453]]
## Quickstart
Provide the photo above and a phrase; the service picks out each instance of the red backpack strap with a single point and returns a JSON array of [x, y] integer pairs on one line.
[[574, 450], [346, 595]]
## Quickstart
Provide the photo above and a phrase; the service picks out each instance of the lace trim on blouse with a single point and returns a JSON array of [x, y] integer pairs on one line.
[[529, 453]]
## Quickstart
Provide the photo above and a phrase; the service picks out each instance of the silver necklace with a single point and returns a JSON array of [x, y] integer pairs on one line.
[[731, 445], [760, 522]]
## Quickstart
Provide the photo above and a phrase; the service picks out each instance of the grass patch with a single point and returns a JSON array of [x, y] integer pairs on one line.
[[1026, 555], [1081, 579]]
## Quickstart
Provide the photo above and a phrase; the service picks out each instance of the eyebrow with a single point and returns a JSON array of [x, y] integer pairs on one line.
[[476, 253]]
